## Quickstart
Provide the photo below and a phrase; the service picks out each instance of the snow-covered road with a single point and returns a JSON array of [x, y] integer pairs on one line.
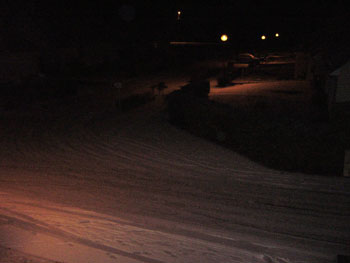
[[133, 188]]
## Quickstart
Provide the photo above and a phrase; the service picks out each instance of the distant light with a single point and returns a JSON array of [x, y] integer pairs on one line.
[[224, 38], [277, 35], [263, 37], [178, 15]]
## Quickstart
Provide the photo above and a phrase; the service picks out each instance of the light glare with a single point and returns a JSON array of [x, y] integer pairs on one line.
[[178, 15], [224, 38]]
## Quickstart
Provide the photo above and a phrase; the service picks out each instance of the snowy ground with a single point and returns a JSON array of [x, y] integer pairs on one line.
[[132, 188]]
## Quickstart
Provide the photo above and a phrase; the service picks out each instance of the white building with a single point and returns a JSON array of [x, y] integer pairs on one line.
[[338, 88], [342, 77]]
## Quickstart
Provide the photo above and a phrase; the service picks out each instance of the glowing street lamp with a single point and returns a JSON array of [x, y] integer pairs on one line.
[[277, 35], [263, 37], [224, 38], [178, 15]]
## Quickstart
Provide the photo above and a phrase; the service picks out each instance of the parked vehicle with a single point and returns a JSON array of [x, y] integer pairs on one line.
[[247, 58]]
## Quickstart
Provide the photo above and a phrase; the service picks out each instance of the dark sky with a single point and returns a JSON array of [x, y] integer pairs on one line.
[[75, 22]]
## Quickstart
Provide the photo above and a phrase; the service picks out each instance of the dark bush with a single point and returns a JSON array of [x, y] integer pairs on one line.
[[136, 100], [224, 80], [198, 115], [198, 88]]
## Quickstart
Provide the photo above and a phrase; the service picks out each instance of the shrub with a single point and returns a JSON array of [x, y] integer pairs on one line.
[[199, 115], [197, 88], [136, 100]]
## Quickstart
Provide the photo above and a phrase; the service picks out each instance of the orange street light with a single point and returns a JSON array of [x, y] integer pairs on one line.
[[277, 35], [224, 38], [263, 37], [178, 15]]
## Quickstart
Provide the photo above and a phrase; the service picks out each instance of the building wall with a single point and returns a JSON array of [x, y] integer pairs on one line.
[[343, 85]]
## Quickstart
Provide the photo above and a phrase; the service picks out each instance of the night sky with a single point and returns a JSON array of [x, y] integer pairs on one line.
[[71, 23]]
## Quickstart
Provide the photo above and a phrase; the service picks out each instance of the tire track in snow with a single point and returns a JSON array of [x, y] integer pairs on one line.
[[120, 152], [195, 179], [102, 223]]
